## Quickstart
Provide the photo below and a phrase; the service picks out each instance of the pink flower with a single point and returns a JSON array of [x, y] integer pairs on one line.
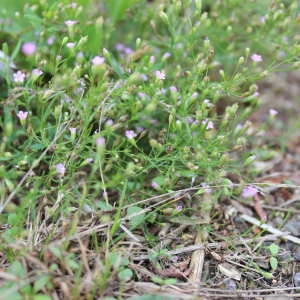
[[153, 121], [262, 20], [160, 75], [256, 57], [100, 141], [70, 45], [130, 134], [173, 89], [144, 77], [239, 127], [73, 130], [29, 48], [22, 115], [139, 129], [141, 95], [162, 92], [128, 51], [206, 187], [179, 206], [273, 112], [50, 40], [256, 94], [174, 259], [190, 120], [80, 55], [119, 47], [60, 169], [195, 95], [166, 55], [19, 77], [36, 72], [209, 124], [109, 122], [98, 60], [249, 191], [154, 185], [70, 23], [73, 5], [89, 160], [152, 59]]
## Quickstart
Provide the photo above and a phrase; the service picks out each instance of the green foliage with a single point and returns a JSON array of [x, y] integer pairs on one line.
[[130, 100], [125, 275], [274, 250], [162, 281], [273, 263], [137, 217], [117, 8]]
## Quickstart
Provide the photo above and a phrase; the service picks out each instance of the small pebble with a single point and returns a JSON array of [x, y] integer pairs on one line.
[[297, 254], [240, 224], [293, 226], [230, 285], [263, 264], [285, 256], [297, 279]]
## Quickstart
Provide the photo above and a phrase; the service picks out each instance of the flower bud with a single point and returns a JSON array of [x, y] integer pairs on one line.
[[241, 60], [106, 54], [206, 43], [222, 74], [250, 160], [64, 41], [138, 43], [82, 41], [164, 17], [178, 125], [198, 4]]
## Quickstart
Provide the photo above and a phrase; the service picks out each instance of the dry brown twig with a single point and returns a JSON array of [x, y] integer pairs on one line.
[[271, 229], [198, 256], [208, 246], [188, 291]]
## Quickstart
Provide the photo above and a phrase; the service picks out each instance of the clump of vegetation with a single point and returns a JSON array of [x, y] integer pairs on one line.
[[108, 103]]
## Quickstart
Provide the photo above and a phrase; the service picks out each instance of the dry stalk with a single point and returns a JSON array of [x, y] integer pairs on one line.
[[271, 229]]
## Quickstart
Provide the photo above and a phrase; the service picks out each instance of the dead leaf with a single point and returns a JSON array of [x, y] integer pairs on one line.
[[258, 208], [229, 271], [216, 256], [184, 220]]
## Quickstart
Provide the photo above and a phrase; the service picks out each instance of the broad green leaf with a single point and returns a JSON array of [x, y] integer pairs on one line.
[[135, 220], [273, 263], [170, 281], [125, 275], [266, 275], [41, 282], [56, 251], [274, 249], [17, 269], [41, 297]]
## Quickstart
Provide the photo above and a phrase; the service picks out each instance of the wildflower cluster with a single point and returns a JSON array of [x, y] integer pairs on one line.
[[102, 99]]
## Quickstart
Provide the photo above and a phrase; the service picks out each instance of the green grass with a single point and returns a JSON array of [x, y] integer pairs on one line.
[[182, 136]]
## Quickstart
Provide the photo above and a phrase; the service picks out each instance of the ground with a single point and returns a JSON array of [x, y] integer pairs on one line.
[[149, 150], [236, 249]]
